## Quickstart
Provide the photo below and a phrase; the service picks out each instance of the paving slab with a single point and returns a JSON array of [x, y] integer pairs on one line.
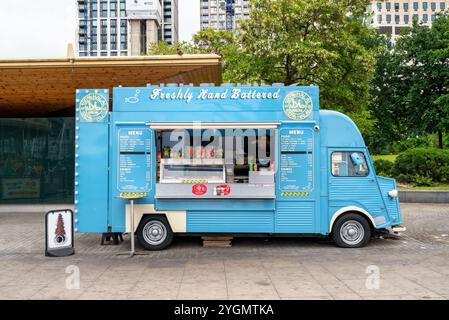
[[414, 267]]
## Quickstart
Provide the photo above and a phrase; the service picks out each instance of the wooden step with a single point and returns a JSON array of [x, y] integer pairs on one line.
[[217, 242], [218, 238]]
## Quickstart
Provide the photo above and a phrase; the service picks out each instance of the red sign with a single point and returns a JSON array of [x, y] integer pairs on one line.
[[199, 189], [222, 190]]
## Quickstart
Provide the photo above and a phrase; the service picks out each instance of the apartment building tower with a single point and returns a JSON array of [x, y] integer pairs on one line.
[[124, 27], [391, 17], [170, 21], [223, 14]]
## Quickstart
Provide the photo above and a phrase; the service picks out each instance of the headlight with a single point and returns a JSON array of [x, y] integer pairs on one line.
[[393, 193]]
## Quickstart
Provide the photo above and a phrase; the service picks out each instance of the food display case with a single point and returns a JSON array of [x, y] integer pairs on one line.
[[192, 171]]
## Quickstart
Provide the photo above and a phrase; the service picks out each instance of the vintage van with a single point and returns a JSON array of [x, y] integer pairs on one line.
[[227, 160]]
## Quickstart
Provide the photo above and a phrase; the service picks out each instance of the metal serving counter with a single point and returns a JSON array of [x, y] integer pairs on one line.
[[215, 191]]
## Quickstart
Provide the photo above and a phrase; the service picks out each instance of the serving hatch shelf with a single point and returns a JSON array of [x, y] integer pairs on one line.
[[192, 171], [194, 161]]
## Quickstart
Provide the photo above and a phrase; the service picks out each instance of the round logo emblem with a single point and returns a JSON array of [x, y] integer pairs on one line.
[[94, 107], [298, 105], [222, 190], [199, 189]]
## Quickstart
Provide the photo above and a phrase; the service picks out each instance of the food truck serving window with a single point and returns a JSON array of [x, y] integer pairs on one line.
[[228, 158]]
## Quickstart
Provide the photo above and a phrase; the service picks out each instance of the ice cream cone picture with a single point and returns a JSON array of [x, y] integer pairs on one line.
[[60, 234]]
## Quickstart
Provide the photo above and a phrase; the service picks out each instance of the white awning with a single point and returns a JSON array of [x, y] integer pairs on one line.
[[212, 125]]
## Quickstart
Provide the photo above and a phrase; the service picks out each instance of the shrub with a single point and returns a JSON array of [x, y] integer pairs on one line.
[[422, 166], [384, 167]]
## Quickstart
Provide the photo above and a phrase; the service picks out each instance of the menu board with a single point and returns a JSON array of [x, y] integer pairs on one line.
[[134, 163], [296, 160]]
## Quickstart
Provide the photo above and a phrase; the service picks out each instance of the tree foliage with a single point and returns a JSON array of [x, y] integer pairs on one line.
[[411, 86], [304, 42], [313, 42]]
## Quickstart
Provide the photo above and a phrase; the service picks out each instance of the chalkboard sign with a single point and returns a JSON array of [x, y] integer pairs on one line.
[[134, 163]]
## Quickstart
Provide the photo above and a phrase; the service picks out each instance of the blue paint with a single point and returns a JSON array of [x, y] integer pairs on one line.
[[307, 195], [91, 168], [230, 221]]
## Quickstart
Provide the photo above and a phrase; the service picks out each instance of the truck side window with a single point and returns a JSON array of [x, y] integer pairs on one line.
[[349, 164]]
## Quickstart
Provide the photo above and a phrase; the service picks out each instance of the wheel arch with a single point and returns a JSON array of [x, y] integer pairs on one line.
[[176, 218], [353, 209], [161, 214]]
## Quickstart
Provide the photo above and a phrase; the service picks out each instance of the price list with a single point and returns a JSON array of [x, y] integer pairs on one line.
[[134, 172], [296, 160]]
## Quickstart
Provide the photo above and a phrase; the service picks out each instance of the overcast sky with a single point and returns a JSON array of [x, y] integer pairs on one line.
[[42, 28]]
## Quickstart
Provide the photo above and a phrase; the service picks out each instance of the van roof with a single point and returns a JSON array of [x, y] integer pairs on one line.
[[338, 130]]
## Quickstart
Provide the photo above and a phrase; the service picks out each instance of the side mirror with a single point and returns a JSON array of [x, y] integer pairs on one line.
[[356, 158]]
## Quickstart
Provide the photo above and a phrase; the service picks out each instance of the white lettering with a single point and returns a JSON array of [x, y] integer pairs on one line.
[[235, 94], [156, 93], [207, 94], [186, 310]]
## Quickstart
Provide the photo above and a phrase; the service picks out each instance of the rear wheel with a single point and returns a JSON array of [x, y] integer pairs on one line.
[[351, 231], [154, 233]]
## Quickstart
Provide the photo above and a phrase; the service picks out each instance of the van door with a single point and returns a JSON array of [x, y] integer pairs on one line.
[[352, 182], [297, 190]]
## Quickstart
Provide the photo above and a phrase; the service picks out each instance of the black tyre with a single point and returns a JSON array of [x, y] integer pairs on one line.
[[154, 233], [351, 231]]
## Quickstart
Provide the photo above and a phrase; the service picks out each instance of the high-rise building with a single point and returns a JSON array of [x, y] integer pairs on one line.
[[223, 14], [391, 17], [124, 27], [169, 29]]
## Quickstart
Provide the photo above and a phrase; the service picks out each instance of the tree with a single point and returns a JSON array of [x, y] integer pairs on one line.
[[237, 65], [314, 42], [163, 48], [411, 86], [387, 102], [425, 53], [304, 42]]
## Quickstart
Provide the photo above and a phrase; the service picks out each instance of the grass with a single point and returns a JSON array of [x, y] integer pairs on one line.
[[439, 187], [389, 157]]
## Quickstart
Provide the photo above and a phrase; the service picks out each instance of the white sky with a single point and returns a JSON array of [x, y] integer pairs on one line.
[[43, 28]]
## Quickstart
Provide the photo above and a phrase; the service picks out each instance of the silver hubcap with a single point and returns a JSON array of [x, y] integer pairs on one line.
[[154, 232], [352, 232]]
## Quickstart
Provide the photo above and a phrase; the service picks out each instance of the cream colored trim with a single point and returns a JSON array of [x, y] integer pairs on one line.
[[347, 209], [177, 219]]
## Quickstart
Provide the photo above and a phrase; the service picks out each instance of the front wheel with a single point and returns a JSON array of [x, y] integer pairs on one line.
[[154, 233], [351, 231]]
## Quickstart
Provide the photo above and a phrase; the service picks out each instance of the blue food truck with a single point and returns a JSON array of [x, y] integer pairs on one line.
[[226, 160]]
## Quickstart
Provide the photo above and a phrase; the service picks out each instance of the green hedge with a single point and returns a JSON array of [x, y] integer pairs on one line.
[[384, 167], [423, 166]]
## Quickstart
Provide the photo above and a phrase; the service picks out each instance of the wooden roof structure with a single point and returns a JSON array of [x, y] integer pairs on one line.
[[45, 87]]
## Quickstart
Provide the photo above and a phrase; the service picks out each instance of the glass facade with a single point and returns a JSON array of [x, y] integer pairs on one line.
[[392, 16], [224, 14], [100, 27], [37, 160]]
